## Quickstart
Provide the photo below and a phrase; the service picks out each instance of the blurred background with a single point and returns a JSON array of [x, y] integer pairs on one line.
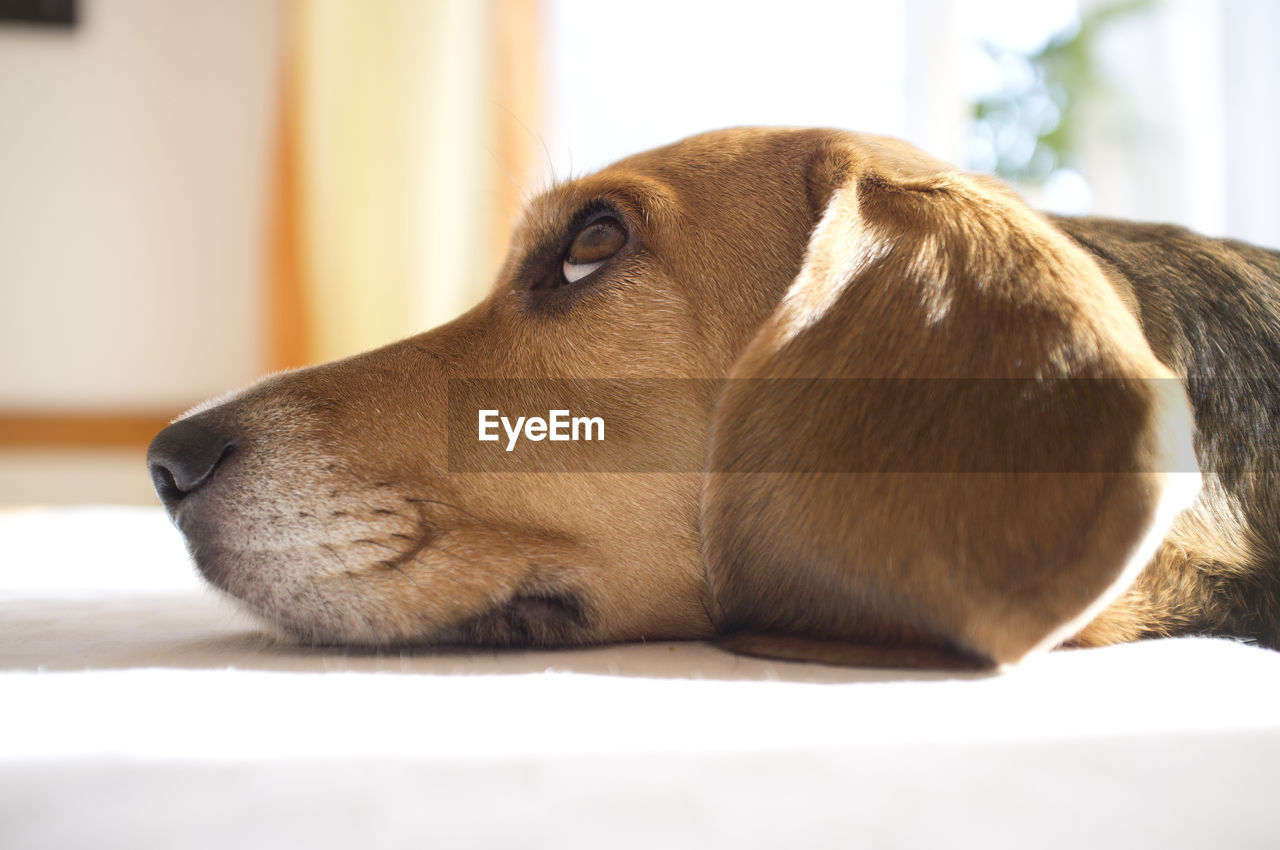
[[196, 192]]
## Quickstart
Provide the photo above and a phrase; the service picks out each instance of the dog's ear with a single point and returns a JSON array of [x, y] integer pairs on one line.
[[949, 444]]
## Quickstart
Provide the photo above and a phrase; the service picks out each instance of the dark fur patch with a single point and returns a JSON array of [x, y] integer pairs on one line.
[[527, 619], [1210, 309]]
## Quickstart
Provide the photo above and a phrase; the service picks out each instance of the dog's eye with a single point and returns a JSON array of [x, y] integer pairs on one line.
[[593, 245]]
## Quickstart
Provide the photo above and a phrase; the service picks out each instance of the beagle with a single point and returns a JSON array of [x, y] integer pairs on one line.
[[852, 405]]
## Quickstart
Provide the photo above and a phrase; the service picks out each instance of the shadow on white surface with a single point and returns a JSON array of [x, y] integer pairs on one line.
[[202, 631]]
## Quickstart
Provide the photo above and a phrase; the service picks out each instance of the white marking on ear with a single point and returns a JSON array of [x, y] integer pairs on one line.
[[818, 286], [574, 272], [1176, 460]]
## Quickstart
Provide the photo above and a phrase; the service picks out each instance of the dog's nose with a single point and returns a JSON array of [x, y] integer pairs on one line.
[[183, 457]]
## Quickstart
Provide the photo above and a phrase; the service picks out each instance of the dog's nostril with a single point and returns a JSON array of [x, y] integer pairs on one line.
[[166, 488], [183, 457]]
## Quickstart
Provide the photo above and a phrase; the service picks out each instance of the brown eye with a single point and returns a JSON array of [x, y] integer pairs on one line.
[[594, 244]]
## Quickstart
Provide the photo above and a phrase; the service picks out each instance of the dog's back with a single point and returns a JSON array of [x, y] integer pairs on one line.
[[1210, 309]]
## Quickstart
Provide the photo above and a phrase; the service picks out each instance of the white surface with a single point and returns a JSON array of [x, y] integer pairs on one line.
[[140, 711]]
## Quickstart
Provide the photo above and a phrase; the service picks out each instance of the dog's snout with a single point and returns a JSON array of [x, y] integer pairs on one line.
[[183, 457]]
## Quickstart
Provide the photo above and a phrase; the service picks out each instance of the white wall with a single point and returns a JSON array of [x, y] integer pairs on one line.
[[1190, 131], [133, 161], [1186, 131], [1251, 28], [627, 77]]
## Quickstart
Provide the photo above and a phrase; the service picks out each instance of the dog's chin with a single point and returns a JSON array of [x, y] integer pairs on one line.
[[296, 594], [383, 578], [288, 597]]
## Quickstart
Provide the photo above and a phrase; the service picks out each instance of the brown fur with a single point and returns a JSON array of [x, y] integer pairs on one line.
[[955, 432]]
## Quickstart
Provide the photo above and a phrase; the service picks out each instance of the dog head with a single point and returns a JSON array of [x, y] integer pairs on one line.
[[363, 501]]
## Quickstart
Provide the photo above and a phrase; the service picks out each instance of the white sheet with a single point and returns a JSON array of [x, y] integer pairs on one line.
[[142, 711]]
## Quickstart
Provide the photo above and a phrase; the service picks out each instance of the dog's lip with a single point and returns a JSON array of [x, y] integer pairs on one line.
[[185, 514], [205, 540], [195, 533]]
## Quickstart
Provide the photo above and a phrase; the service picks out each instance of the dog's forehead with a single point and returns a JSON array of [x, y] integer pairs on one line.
[[663, 185], [634, 194]]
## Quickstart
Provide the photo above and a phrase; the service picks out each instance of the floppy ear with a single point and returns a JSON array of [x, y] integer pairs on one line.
[[950, 443]]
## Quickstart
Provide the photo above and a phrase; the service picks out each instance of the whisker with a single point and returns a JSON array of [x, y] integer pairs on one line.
[[542, 143], [334, 552], [466, 561], [377, 543], [392, 565], [480, 520]]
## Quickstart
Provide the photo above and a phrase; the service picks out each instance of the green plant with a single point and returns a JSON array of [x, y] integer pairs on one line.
[[1031, 126]]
